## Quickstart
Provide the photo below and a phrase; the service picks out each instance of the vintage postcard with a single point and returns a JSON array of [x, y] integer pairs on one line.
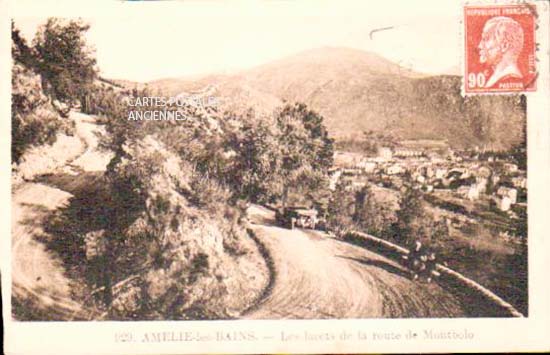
[[191, 177]]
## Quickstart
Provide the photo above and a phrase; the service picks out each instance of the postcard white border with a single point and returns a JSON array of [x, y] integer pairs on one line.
[[506, 334]]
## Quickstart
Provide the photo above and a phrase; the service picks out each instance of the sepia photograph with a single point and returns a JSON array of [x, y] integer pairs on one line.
[[290, 165]]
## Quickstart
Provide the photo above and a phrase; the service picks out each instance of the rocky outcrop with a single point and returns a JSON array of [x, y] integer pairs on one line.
[[196, 264]]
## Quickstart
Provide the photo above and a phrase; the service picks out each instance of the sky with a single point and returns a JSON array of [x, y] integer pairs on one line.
[[144, 41]]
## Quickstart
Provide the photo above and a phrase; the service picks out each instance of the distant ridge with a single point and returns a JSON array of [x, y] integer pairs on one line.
[[356, 91]]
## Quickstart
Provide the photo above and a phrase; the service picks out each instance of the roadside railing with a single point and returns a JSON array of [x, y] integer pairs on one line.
[[398, 251]]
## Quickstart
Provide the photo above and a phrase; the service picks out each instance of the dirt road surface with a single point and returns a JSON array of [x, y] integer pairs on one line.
[[317, 276], [40, 284]]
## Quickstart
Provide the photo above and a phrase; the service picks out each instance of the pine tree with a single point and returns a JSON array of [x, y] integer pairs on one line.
[[65, 63]]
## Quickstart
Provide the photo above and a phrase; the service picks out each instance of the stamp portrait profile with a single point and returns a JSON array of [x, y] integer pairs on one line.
[[499, 49]]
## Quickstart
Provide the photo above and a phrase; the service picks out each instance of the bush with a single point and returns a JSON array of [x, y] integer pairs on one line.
[[34, 121], [414, 223], [48, 79], [374, 217]]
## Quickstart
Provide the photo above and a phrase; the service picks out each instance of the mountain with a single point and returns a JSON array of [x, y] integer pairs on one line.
[[358, 91]]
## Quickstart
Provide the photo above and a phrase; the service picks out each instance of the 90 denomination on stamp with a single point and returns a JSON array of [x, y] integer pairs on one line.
[[500, 49]]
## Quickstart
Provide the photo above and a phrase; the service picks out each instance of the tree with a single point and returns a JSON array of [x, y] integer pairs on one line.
[[372, 216], [341, 209], [257, 159], [21, 52], [33, 120], [65, 63], [414, 223], [272, 155], [306, 149]]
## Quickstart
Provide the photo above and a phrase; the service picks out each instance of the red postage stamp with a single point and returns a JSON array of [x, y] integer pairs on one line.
[[499, 49]]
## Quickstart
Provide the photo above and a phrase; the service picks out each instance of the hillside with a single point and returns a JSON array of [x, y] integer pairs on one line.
[[357, 91]]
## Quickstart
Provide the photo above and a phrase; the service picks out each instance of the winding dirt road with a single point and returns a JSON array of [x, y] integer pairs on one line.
[[41, 287], [317, 276]]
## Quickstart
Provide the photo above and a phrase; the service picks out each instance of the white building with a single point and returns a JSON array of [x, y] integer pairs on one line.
[[520, 182], [440, 173], [394, 169], [367, 166], [430, 172], [421, 179], [407, 153], [385, 153], [469, 192], [511, 168], [481, 184], [334, 178], [504, 203], [511, 193]]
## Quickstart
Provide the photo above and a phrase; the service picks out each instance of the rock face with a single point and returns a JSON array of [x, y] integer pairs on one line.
[[34, 123], [199, 264]]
